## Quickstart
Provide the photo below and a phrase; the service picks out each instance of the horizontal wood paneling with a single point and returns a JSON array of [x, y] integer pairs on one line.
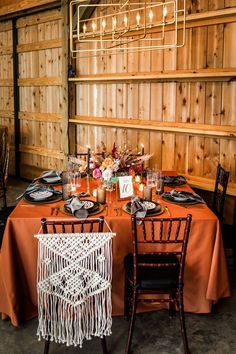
[[178, 102]]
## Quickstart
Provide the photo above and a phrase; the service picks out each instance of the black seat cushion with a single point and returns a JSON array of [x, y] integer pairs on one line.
[[229, 235], [155, 278]]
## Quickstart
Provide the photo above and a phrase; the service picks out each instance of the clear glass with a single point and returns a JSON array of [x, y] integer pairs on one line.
[[159, 187], [109, 188]]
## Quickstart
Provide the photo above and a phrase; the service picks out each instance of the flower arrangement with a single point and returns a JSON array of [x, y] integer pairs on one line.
[[106, 163]]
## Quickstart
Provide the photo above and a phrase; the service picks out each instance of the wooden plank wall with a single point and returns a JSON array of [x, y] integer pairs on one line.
[[6, 87], [41, 95], [191, 102]]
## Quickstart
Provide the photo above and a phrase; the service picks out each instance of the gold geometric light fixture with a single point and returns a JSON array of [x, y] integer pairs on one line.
[[126, 25]]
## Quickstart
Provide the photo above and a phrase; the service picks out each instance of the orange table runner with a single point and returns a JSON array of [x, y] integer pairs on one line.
[[206, 278]]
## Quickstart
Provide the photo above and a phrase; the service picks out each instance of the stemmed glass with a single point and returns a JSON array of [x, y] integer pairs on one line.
[[159, 185]]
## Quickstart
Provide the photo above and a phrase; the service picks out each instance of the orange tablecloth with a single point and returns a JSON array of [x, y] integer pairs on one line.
[[206, 278]]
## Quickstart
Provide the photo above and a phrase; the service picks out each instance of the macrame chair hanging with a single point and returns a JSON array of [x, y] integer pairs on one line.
[[74, 286]]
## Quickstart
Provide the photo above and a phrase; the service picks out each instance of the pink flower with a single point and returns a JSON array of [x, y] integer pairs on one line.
[[97, 173]]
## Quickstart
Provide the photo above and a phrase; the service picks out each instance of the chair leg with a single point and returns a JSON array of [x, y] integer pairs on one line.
[[132, 320], [234, 257], [182, 322], [126, 298], [172, 305], [46, 346], [104, 345]]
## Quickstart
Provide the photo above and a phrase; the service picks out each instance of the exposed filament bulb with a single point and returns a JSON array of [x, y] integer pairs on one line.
[[103, 25], [138, 19], [84, 28], [114, 22], [165, 11], [93, 26], [125, 21], [150, 15]]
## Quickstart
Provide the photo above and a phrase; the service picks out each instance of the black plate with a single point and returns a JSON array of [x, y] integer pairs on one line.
[[54, 198], [174, 201]]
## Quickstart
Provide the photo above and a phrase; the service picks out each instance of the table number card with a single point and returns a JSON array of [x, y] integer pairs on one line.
[[125, 186]]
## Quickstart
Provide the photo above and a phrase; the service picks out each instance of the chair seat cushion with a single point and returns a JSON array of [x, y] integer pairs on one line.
[[155, 278]]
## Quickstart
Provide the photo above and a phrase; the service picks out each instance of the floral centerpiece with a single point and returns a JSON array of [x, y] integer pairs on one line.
[[119, 160]]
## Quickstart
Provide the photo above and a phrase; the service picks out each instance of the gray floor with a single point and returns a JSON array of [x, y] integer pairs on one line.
[[154, 332]]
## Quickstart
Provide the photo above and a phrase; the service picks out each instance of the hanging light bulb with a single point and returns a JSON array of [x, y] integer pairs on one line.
[[165, 11], [138, 19], [103, 25], [93, 26], [114, 22], [84, 28], [150, 15], [125, 21]]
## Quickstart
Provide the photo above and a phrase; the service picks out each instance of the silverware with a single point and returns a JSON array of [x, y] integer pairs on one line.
[[167, 210]]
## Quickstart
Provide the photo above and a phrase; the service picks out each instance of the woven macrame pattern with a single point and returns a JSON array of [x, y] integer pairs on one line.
[[74, 286]]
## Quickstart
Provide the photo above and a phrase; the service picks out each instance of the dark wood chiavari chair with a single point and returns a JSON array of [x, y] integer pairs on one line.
[[156, 267]]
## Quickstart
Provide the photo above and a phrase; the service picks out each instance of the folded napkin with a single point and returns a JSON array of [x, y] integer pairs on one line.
[[174, 180], [138, 208], [49, 174], [180, 196], [36, 188], [76, 206]]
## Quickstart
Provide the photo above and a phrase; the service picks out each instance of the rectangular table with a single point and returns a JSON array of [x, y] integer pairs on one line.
[[206, 279]]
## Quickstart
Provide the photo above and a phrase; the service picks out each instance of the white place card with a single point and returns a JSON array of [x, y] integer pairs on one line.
[[126, 186]]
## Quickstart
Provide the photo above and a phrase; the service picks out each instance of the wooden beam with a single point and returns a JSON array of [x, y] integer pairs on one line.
[[5, 26], [40, 81], [171, 127], [5, 50], [167, 75], [36, 150], [41, 117], [208, 184], [6, 83], [40, 18], [49, 44], [23, 5], [7, 114]]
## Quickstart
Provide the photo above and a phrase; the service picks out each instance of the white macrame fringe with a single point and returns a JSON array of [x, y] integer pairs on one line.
[[74, 286]]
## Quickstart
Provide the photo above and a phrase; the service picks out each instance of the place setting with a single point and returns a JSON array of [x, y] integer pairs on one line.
[[182, 198], [39, 194], [81, 208], [174, 181], [52, 178]]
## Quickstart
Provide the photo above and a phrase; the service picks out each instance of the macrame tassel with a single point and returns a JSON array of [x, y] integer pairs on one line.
[[74, 287]]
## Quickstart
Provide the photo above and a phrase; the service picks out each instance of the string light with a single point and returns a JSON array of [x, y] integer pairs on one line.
[[84, 28]]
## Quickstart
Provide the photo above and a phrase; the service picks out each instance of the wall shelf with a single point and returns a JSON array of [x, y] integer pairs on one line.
[[170, 127], [226, 74]]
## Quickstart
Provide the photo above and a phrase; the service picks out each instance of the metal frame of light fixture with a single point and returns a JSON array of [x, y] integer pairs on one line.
[[113, 28]]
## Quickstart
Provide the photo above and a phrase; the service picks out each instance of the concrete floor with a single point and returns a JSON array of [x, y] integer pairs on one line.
[[213, 333]]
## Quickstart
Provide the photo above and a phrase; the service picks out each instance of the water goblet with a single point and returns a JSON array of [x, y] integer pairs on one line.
[[159, 187]]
